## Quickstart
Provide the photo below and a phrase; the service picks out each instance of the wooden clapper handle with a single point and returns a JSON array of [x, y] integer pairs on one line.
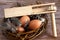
[[53, 22]]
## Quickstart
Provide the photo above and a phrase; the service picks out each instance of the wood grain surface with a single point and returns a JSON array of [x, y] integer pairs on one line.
[[46, 35]]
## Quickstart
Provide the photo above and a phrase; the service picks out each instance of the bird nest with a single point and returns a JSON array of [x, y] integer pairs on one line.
[[29, 35]]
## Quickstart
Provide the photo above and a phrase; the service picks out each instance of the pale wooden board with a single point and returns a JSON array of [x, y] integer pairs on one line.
[[26, 10], [18, 11]]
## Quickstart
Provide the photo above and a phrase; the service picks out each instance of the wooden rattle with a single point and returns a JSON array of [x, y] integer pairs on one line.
[[48, 8]]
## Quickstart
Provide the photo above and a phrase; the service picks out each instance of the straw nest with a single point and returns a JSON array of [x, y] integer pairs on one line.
[[30, 34]]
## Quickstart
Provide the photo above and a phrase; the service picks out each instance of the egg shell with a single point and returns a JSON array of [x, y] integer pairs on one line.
[[24, 20], [34, 24], [20, 29]]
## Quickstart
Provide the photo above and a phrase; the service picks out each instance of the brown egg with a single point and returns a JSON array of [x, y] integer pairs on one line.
[[20, 29], [34, 24], [24, 20]]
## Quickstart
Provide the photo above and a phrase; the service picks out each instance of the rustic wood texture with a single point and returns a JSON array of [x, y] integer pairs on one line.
[[46, 35]]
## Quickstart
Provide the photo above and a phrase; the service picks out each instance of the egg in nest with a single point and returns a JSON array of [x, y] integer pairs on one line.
[[24, 20], [34, 24]]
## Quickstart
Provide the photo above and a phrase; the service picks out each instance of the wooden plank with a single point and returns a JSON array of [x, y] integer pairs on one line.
[[20, 12], [26, 10], [43, 4], [13, 12]]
